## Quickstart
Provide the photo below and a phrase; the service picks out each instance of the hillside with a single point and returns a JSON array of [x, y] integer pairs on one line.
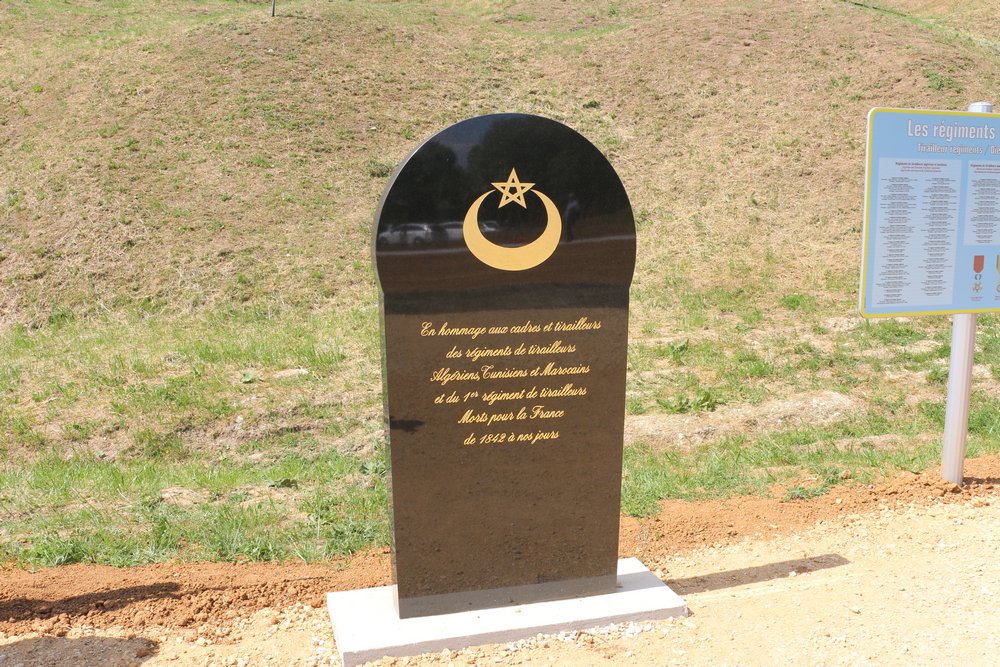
[[187, 192], [225, 158]]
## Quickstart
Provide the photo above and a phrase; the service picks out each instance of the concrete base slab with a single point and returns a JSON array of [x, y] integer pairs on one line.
[[366, 626]]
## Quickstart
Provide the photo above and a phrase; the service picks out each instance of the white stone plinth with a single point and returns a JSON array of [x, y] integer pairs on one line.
[[366, 626]]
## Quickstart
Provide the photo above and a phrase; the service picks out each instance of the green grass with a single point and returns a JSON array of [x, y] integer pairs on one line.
[[750, 465], [938, 81], [161, 378], [148, 385], [702, 400], [146, 378], [83, 509]]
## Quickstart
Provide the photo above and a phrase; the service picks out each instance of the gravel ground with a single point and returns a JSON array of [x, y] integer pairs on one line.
[[901, 586]]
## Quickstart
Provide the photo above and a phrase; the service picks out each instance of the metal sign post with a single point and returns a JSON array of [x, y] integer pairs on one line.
[[963, 346]]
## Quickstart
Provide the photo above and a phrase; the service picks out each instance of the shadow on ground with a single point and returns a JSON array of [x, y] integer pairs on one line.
[[81, 652], [981, 481], [22, 609], [753, 575]]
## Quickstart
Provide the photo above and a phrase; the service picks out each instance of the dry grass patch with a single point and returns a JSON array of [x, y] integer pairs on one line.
[[687, 430]]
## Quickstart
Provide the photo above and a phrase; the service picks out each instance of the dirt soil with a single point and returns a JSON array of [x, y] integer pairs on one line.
[[895, 572]]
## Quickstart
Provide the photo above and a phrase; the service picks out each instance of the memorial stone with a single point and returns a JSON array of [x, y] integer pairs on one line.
[[504, 247]]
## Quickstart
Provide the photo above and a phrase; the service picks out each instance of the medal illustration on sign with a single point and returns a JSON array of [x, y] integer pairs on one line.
[[978, 264], [513, 259]]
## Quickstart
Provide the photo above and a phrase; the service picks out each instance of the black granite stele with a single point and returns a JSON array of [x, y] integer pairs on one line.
[[505, 246]]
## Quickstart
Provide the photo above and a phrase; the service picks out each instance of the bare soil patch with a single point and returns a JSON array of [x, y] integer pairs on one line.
[[686, 430], [175, 595]]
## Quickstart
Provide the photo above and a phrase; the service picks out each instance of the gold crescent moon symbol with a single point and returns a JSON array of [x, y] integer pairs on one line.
[[513, 259]]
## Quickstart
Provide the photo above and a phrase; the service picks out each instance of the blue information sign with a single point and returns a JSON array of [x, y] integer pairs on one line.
[[932, 213]]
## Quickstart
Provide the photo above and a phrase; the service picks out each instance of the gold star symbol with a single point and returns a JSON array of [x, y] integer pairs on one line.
[[513, 190]]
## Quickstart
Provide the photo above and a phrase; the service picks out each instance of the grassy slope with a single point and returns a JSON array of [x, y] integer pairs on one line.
[[186, 191]]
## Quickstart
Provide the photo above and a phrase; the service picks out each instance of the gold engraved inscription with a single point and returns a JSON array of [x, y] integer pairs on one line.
[[500, 389]]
